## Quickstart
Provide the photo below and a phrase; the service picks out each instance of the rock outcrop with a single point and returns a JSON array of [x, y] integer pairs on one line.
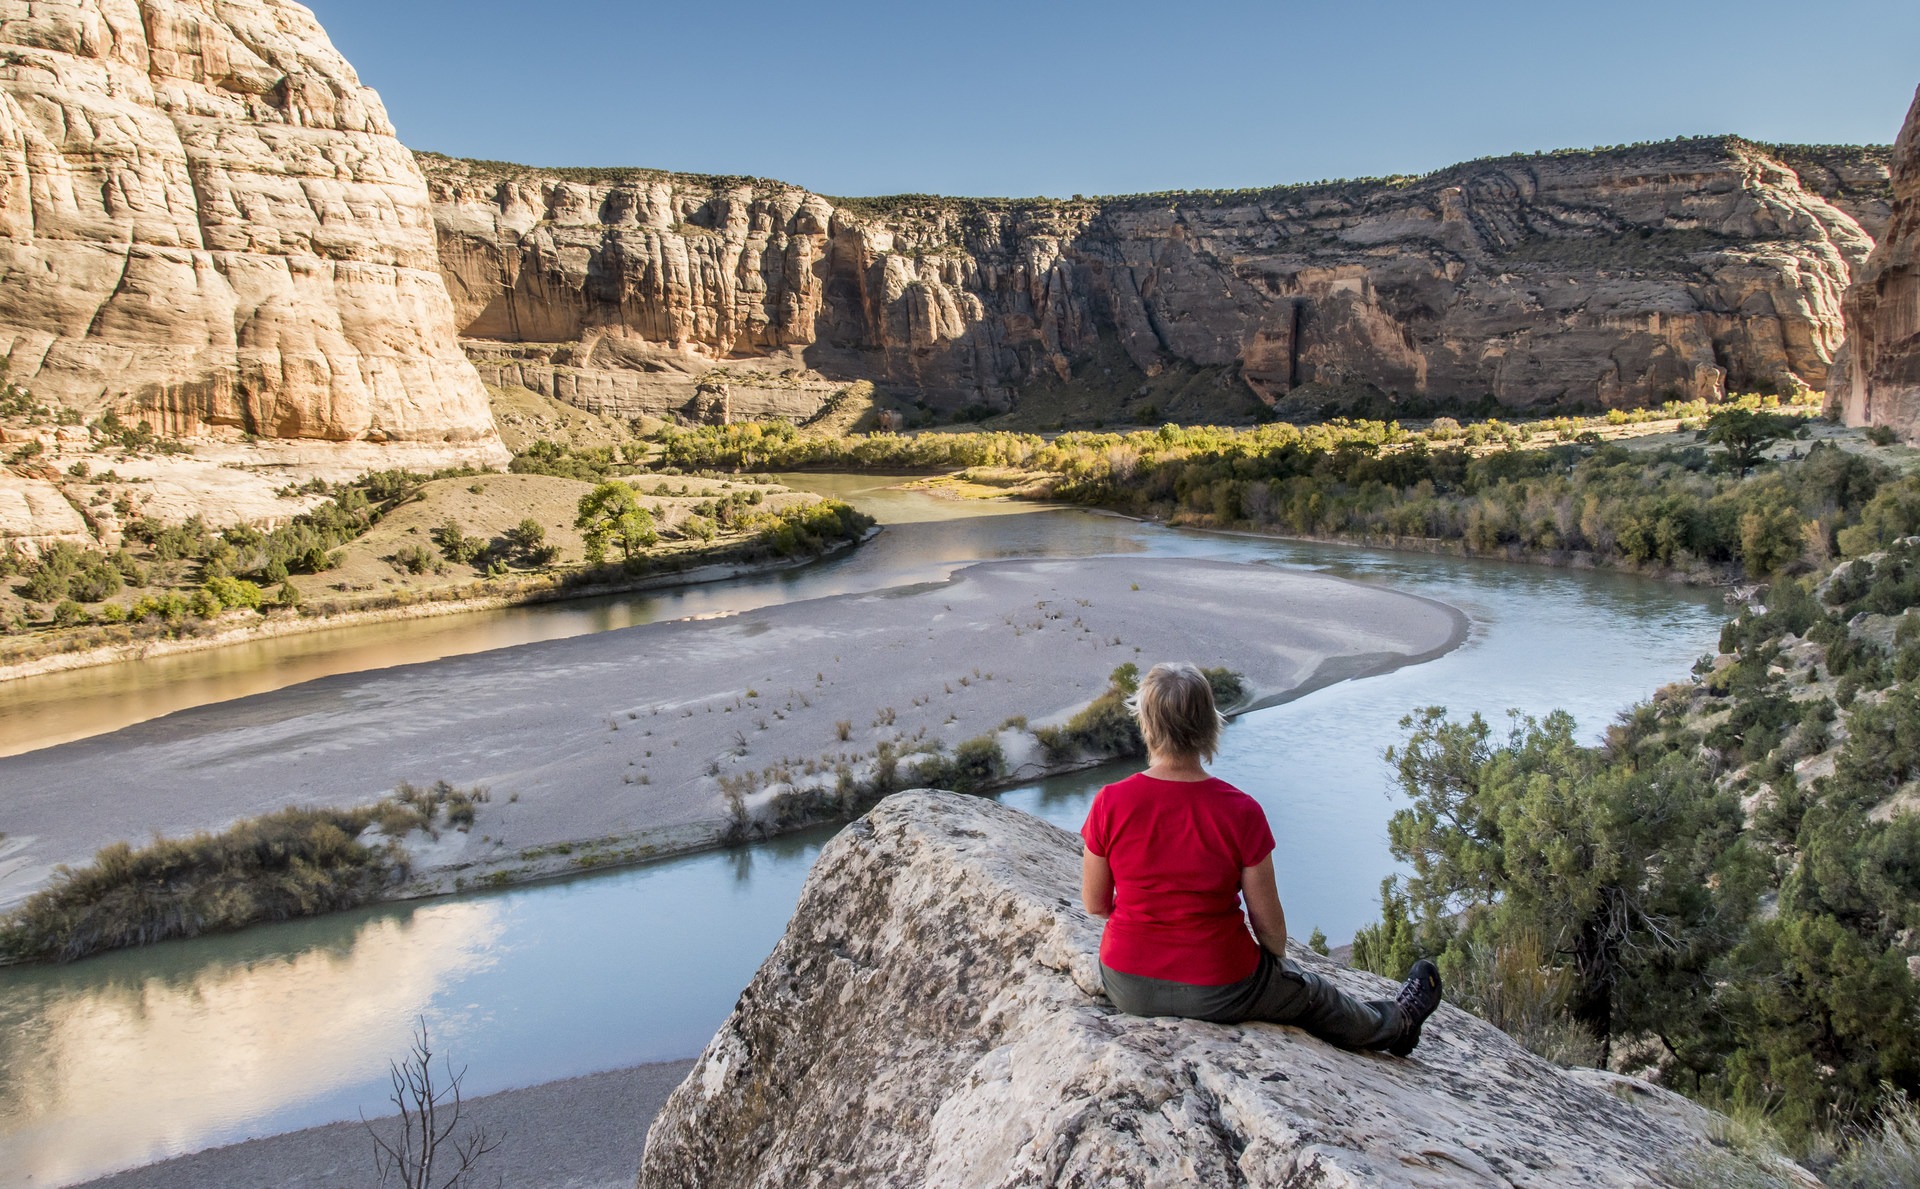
[[1877, 381], [932, 1018], [207, 222], [1613, 277]]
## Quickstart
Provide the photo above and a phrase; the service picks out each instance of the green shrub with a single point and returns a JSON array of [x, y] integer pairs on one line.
[[231, 593], [414, 559], [1107, 728], [975, 765]]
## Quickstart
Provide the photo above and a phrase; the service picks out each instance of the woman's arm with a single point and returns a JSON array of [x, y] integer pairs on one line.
[[1263, 907], [1096, 884]]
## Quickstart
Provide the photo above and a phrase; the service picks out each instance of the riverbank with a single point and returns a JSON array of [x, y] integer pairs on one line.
[[249, 628], [667, 737], [578, 1133]]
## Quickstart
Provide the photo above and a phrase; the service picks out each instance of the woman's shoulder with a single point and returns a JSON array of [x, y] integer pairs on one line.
[[1128, 788], [1239, 799], [1224, 788]]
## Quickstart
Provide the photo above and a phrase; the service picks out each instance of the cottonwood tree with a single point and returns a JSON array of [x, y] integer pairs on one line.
[[430, 1151], [611, 513]]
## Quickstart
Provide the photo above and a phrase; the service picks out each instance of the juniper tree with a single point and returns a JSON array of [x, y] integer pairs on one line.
[[1629, 868]]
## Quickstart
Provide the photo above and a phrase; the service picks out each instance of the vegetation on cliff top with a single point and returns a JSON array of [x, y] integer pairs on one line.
[[501, 171], [1342, 188]]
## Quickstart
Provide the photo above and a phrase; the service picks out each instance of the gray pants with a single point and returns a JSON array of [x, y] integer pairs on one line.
[[1278, 992]]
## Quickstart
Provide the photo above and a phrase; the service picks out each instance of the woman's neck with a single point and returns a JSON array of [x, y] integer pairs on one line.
[[1185, 768]]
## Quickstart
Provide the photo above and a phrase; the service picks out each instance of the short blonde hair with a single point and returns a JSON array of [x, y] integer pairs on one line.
[[1175, 710]]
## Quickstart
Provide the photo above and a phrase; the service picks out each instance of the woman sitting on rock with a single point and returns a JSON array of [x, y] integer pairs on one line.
[[1170, 853]]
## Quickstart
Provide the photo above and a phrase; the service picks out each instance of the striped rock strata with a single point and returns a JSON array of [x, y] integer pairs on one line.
[[207, 222], [1615, 277]]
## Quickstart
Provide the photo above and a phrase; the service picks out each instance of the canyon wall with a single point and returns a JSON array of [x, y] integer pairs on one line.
[[1877, 381], [207, 222], [934, 1016], [1614, 277]]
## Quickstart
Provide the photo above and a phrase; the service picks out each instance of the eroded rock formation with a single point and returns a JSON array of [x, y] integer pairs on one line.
[[206, 220], [1877, 382], [1615, 277], [932, 1018]]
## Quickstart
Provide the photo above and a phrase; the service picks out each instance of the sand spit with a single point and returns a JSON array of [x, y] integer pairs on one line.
[[245, 627], [618, 746]]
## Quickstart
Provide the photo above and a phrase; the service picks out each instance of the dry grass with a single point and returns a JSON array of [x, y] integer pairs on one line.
[[291, 863], [525, 416]]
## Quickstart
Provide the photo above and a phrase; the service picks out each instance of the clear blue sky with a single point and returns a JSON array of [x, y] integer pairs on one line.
[[858, 97]]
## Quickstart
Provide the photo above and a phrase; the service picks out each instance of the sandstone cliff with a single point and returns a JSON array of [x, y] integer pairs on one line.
[[932, 1018], [206, 220], [1877, 382], [1614, 277]]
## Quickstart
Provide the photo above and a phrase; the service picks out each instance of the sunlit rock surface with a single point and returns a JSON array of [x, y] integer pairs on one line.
[[208, 223], [932, 1017], [1617, 277], [1878, 381]]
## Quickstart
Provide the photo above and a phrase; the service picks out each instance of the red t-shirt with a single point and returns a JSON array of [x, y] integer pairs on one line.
[[1177, 849]]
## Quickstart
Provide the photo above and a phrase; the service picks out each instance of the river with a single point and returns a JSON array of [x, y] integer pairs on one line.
[[144, 1054]]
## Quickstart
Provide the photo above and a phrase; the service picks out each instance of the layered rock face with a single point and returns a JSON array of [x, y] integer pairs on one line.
[[1878, 380], [933, 1017], [1615, 277], [207, 222]]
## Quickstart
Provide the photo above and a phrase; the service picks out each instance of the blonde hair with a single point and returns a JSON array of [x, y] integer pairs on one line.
[[1175, 710]]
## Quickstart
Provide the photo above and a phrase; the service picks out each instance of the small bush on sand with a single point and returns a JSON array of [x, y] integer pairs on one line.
[[290, 863], [1106, 727], [295, 862]]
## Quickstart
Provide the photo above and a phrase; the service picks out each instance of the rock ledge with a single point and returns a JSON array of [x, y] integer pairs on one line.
[[932, 1018]]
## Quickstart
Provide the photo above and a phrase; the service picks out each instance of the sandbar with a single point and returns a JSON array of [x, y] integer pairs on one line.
[[621, 745]]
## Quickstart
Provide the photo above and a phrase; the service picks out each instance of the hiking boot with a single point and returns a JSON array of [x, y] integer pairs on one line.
[[1418, 997]]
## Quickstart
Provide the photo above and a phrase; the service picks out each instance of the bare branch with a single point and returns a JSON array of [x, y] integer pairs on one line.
[[430, 1112]]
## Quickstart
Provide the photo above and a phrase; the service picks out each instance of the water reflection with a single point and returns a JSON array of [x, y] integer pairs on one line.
[[141, 1055], [280, 1031]]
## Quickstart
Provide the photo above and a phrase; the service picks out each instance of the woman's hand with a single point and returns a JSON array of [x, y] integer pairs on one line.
[[1263, 907], [1096, 884]]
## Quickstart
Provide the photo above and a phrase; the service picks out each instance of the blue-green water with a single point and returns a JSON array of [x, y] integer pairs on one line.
[[140, 1055]]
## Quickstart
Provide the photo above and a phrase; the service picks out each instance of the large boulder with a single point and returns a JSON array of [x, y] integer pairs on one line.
[[207, 222], [1877, 378], [933, 1017]]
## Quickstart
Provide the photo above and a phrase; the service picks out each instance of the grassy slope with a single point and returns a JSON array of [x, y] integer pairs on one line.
[[525, 416], [487, 505]]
